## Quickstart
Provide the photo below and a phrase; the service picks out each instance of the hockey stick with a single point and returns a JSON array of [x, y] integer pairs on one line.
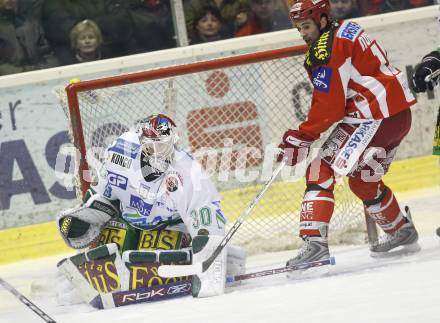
[[268, 272], [26, 301], [193, 269], [183, 288]]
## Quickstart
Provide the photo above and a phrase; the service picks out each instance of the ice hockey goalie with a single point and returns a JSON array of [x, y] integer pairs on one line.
[[155, 203]]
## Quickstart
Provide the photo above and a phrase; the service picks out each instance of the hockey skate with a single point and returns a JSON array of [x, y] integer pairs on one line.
[[405, 239], [313, 249]]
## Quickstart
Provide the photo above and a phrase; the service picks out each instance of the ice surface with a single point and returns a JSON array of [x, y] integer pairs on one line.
[[358, 289]]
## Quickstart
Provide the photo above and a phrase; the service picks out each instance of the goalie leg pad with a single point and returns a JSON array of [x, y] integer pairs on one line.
[[81, 226], [212, 281]]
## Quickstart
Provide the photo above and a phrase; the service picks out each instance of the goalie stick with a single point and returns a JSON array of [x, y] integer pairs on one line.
[[172, 290], [26, 301], [197, 268]]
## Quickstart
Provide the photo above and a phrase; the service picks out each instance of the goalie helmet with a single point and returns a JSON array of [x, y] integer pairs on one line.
[[158, 136], [309, 9]]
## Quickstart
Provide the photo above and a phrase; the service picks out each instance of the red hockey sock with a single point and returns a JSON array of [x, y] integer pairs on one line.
[[386, 211], [316, 211]]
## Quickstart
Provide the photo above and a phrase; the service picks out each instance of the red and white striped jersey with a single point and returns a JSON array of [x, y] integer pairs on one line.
[[353, 80]]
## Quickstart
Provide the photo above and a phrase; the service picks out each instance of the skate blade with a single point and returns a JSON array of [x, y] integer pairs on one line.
[[403, 251], [308, 273]]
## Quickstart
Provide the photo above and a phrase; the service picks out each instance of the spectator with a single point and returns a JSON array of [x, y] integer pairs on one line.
[[372, 7], [264, 16], [394, 5], [85, 42], [420, 3], [60, 16], [369, 7], [23, 46], [152, 25], [230, 10], [208, 26], [344, 9]]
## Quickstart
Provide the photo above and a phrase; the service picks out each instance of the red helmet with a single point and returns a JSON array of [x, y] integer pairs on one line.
[[305, 9]]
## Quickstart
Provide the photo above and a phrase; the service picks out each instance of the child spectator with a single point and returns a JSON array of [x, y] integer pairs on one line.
[[264, 16], [344, 9], [23, 46], [230, 10], [208, 26]]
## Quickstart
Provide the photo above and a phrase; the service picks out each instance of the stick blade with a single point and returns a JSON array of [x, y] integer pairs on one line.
[[180, 270]]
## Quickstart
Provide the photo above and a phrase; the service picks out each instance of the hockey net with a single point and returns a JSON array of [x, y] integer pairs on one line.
[[231, 113]]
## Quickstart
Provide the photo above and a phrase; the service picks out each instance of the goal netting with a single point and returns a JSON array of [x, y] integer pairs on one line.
[[231, 114]]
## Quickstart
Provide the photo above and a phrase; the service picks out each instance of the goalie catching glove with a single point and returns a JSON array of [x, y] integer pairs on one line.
[[80, 226]]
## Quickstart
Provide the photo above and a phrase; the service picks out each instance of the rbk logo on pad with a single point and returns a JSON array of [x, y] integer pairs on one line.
[[321, 79]]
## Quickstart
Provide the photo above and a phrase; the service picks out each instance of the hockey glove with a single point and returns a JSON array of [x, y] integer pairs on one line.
[[80, 226], [295, 146], [430, 63]]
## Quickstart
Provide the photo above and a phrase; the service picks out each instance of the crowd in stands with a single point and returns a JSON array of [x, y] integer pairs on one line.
[[36, 34]]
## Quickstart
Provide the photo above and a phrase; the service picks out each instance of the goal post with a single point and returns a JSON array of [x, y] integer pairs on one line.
[[230, 113]]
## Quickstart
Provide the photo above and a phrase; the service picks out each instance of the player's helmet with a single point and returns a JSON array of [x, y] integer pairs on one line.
[[305, 9], [157, 136]]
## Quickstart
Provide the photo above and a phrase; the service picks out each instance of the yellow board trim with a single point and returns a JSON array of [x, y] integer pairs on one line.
[[40, 240]]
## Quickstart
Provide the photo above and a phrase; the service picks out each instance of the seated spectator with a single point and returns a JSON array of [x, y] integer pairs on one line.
[[85, 42], [153, 27], [372, 7], [60, 16], [23, 46], [232, 11], [344, 9], [421, 3], [394, 5], [264, 16], [208, 26], [369, 7]]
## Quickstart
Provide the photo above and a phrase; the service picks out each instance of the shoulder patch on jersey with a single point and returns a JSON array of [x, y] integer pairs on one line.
[[349, 30], [321, 79], [126, 148]]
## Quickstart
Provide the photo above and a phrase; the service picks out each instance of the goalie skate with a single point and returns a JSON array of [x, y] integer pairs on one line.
[[403, 241], [313, 249]]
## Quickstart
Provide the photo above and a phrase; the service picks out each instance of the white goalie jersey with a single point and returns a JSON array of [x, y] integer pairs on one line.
[[183, 198]]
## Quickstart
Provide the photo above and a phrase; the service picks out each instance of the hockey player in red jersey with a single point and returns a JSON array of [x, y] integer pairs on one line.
[[354, 85]]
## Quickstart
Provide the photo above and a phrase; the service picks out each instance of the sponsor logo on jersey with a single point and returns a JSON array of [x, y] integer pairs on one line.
[[117, 180], [143, 207], [107, 191], [321, 78], [121, 160], [126, 148], [350, 31], [320, 49]]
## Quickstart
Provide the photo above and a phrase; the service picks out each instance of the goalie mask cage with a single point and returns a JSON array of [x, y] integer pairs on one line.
[[231, 114]]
